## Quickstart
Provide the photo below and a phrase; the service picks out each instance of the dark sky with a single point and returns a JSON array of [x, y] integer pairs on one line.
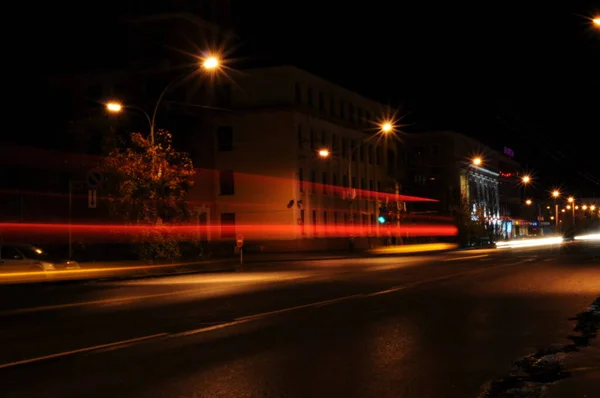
[[526, 77], [522, 76]]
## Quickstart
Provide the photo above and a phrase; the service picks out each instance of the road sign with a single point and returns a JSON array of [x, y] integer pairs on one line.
[[92, 198], [240, 241], [94, 178]]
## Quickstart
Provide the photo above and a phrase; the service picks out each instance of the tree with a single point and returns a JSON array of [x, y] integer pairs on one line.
[[147, 185]]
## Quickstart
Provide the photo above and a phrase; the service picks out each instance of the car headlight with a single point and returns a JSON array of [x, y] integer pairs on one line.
[[47, 266]]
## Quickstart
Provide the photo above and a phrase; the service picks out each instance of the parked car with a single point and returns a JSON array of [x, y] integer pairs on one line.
[[26, 258]]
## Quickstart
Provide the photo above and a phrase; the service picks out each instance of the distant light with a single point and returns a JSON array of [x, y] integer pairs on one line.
[[381, 219], [528, 202], [324, 153], [387, 127], [211, 63], [526, 179], [556, 193], [596, 21], [114, 107], [477, 161]]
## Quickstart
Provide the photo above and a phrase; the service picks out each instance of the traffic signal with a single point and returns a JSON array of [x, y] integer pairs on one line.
[[384, 215]]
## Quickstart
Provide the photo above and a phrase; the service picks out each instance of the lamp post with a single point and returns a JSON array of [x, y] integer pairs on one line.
[[555, 195], [211, 63]]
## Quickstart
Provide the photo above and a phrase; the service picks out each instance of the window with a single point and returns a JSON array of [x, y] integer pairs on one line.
[[351, 112], [334, 143], [363, 184], [324, 138], [344, 147], [334, 180], [313, 180], [226, 185], [298, 93], [345, 218], [368, 116], [345, 181], [353, 182], [309, 95], [370, 154], [227, 225], [300, 137], [312, 139], [325, 218], [314, 220], [321, 102], [391, 161], [324, 181], [353, 149], [332, 106], [371, 186], [362, 153], [225, 138], [342, 109], [378, 156], [379, 186], [301, 179], [359, 114], [335, 218]]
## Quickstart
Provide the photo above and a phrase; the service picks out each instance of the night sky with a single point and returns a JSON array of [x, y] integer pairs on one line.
[[525, 77]]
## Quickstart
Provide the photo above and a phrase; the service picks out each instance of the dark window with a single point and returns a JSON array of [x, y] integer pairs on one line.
[[363, 184], [323, 138], [301, 179], [362, 153], [353, 182], [353, 149], [370, 154], [344, 147], [334, 143], [313, 180], [298, 93], [371, 185], [391, 161], [368, 116], [378, 186], [309, 94], [324, 218], [321, 102], [345, 181], [314, 220], [324, 181], [334, 180], [335, 218], [359, 114], [312, 139], [378, 156], [332, 106], [227, 225], [226, 185], [351, 112], [225, 138], [342, 109]]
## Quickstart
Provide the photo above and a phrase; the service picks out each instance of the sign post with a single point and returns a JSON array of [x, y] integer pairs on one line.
[[92, 198], [240, 244]]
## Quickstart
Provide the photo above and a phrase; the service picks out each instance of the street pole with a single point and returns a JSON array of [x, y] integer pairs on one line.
[[555, 216], [70, 220]]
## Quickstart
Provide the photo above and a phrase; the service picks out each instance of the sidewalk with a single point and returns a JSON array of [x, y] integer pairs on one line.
[[248, 258], [584, 381]]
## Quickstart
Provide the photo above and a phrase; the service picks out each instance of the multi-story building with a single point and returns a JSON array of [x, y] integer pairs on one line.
[[269, 174], [458, 170]]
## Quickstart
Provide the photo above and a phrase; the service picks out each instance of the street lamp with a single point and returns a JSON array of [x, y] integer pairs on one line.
[[526, 179], [477, 161], [596, 21], [592, 207], [555, 195], [324, 153], [528, 202], [210, 63]]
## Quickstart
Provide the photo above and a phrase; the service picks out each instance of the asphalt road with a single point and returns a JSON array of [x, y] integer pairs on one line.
[[418, 326]]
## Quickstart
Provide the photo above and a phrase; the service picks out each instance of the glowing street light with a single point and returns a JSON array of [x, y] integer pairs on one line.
[[592, 207], [584, 207], [571, 199], [596, 21], [387, 127], [324, 153], [555, 194], [211, 62], [526, 179], [114, 107], [477, 161], [528, 202]]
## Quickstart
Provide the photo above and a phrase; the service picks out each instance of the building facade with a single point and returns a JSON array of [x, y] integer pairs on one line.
[[443, 165], [268, 172]]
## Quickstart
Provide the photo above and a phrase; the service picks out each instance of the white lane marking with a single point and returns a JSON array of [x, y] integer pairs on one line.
[[122, 343], [241, 320], [467, 257], [299, 307]]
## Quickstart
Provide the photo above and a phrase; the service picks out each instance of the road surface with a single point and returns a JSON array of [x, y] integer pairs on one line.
[[418, 326]]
